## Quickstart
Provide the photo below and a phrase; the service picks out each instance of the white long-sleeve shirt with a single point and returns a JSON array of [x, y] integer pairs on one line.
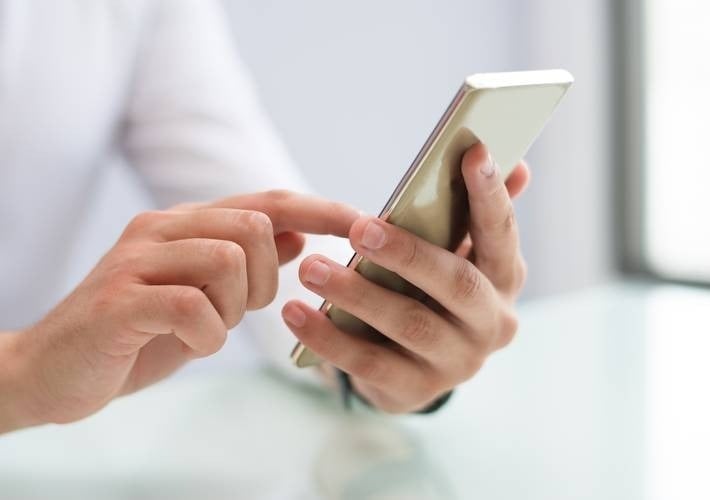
[[155, 82]]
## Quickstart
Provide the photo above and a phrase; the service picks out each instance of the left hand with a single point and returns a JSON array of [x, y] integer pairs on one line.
[[444, 341]]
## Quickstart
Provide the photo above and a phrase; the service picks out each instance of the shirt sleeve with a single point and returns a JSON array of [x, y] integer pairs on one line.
[[194, 131], [193, 125]]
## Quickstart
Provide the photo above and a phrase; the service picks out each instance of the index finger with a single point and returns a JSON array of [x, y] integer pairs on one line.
[[302, 213]]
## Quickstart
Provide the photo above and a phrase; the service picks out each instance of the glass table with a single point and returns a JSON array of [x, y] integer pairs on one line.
[[603, 395]]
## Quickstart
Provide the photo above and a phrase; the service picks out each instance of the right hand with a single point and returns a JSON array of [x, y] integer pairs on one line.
[[168, 291]]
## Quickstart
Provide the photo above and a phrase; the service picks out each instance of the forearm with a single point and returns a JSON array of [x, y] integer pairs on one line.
[[14, 412]]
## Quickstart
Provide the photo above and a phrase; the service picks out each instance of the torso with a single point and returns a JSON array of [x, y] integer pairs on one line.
[[65, 68]]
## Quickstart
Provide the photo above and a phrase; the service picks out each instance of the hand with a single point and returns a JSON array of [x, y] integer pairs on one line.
[[168, 291], [434, 345]]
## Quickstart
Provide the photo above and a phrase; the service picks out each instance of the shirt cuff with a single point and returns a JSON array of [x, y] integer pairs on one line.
[[348, 394]]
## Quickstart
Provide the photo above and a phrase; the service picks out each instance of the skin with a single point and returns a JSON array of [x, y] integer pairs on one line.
[[167, 292], [177, 280], [435, 345]]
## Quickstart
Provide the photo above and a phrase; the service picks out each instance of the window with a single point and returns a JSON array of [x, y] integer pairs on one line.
[[673, 120]]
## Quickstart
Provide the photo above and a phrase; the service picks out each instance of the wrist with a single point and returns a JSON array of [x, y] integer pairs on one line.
[[15, 394], [349, 393]]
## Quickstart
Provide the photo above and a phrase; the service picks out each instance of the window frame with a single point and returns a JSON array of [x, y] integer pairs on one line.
[[628, 130], [629, 24]]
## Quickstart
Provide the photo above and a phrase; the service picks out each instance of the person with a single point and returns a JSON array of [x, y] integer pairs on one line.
[[158, 83]]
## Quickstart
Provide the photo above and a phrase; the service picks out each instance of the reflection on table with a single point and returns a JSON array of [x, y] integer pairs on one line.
[[602, 396]]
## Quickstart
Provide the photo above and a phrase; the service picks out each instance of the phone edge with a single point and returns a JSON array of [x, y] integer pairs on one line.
[[472, 83], [300, 349]]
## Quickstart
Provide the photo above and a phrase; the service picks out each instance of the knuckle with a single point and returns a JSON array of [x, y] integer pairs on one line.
[[471, 367], [143, 222], [508, 222], [508, 329], [108, 283], [240, 301], [188, 302], [236, 316], [498, 193], [278, 201], [215, 340], [370, 366], [227, 255], [265, 296], [417, 329], [502, 222], [126, 256], [410, 254], [499, 221], [466, 363], [510, 276], [432, 385], [233, 312], [105, 299], [117, 264], [259, 224], [359, 298], [279, 195], [467, 281], [231, 217]]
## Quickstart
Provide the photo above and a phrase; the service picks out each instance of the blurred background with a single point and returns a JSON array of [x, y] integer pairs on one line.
[[374, 77], [355, 89]]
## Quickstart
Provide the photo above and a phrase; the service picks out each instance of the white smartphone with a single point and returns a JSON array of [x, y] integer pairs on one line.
[[505, 111]]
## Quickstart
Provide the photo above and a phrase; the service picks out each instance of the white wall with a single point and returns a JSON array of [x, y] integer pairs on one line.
[[568, 216], [355, 88]]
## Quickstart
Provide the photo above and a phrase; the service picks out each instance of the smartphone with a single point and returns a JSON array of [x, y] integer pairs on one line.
[[505, 111]]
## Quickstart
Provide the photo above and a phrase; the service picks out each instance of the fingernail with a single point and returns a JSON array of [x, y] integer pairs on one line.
[[489, 167], [373, 237], [317, 273], [295, 316]]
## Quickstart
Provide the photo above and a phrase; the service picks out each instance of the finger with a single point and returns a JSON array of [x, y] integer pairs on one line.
[[518, 180], [250, 230], [196, 205], [182, 311], [291, 211], [408, 322], [159, 358], [451, 280], [465, 248], [375, 364], [493, 228], [217, 267], [289, 245]]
